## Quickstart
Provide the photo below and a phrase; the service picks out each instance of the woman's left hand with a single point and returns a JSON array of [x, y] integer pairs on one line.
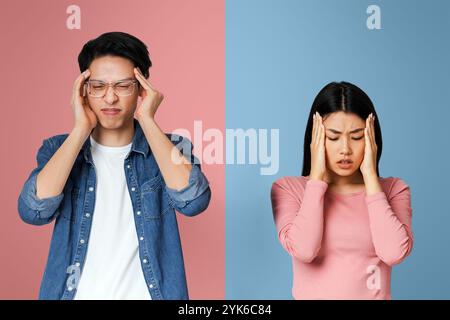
[[368, 166], [151, 98]]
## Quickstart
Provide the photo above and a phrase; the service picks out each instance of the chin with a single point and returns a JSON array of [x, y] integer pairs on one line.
[[111, 124], [344, 173]]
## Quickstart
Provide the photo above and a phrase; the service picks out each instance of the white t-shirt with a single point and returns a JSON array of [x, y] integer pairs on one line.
[[112, 268]]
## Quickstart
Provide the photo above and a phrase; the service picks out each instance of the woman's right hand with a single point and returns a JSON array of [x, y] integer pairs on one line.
[[318, 161], [85, 118]]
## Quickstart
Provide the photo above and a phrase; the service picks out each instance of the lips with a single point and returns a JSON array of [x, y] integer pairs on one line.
[[345, 161], [110, 111]]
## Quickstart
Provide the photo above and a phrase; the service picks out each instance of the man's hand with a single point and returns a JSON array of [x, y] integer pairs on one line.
[[85, 118], [151, 98]]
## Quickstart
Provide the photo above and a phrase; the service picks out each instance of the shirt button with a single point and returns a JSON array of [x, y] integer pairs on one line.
[[70, 288], [77, 264], [144, 261], [128, 166], [88, 215], [141, 238], [133, 189], [151, 286], [91, 189], [82, 241], [138, 213]]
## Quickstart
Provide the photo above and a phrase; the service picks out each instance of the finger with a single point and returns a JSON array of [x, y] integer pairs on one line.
[[373, 131], [313, 131], [143, 81], [372, 135], [366, 138], [321, 128], [315, 128], [79, 82], [320, 118], [86, 74], [368, 122], [322, 135], [369, 131], [76, 84]]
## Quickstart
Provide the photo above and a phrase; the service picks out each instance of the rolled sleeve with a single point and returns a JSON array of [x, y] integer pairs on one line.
[[46, 206], [32, 209], [195, 195]]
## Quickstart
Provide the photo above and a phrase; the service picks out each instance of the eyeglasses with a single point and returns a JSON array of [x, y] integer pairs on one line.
[[122, 88]]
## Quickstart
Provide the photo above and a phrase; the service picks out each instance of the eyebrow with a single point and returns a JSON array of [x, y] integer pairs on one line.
[[353, 131]]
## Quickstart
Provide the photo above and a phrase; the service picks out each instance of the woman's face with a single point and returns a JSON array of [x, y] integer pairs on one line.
[[344, 140]]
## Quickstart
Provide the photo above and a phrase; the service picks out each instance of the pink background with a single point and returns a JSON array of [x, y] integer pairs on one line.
[[39, 64]]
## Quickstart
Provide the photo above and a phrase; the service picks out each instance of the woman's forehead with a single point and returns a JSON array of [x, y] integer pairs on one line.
[[343, 120]]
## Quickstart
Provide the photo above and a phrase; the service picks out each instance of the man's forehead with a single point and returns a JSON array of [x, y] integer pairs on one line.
[[110, 79], [111, 69]]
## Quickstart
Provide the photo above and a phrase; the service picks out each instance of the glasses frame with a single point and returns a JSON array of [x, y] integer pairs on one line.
[[110, 84]]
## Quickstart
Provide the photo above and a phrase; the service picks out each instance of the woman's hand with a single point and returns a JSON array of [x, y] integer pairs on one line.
[[318, 161], [368, 165], [85, 118], [151, 98]]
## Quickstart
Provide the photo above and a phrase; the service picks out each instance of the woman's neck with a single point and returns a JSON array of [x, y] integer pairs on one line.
[[340, 181]]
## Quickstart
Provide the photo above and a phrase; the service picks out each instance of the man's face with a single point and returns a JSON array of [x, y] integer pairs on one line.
[[113, 69]]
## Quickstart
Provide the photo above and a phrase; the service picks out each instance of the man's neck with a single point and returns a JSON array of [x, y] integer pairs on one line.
[[114, 137]]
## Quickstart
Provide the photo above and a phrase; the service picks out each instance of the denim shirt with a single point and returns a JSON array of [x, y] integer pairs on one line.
[[153, 203]]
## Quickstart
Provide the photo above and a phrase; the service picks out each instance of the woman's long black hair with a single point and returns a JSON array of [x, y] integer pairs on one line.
[[340, 96]]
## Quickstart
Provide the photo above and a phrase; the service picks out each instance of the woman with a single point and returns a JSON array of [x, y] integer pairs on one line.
[[343, 225]]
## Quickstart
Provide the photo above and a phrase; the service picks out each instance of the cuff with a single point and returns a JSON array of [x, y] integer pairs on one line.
[[197, 185], [44, 207]]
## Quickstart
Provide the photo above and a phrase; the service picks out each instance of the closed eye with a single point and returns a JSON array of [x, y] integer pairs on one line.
[[334, 139]]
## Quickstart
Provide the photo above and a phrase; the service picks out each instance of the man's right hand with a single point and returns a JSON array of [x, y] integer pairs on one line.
[[85, 118]]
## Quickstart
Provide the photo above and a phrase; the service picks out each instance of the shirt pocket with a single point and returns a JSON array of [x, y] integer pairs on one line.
[[154, 202]]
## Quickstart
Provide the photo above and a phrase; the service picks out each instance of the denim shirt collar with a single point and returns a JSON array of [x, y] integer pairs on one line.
[[140, 143]]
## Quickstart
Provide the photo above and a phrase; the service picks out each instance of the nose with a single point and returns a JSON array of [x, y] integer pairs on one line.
[[345, 148], [110, 97]]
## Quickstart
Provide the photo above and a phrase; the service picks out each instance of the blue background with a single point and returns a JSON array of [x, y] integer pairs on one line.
[[279, 54]]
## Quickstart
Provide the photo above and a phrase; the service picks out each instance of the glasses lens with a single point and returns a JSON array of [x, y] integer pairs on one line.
[[124, 88], [96, 88]]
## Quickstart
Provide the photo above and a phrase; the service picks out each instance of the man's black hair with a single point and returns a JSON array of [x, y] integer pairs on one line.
[[116, 44]]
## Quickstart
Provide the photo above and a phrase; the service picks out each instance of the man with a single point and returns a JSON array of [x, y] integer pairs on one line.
[[113, 184]]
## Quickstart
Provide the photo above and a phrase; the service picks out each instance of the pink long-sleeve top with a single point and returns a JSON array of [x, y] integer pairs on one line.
[[342, 245]]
